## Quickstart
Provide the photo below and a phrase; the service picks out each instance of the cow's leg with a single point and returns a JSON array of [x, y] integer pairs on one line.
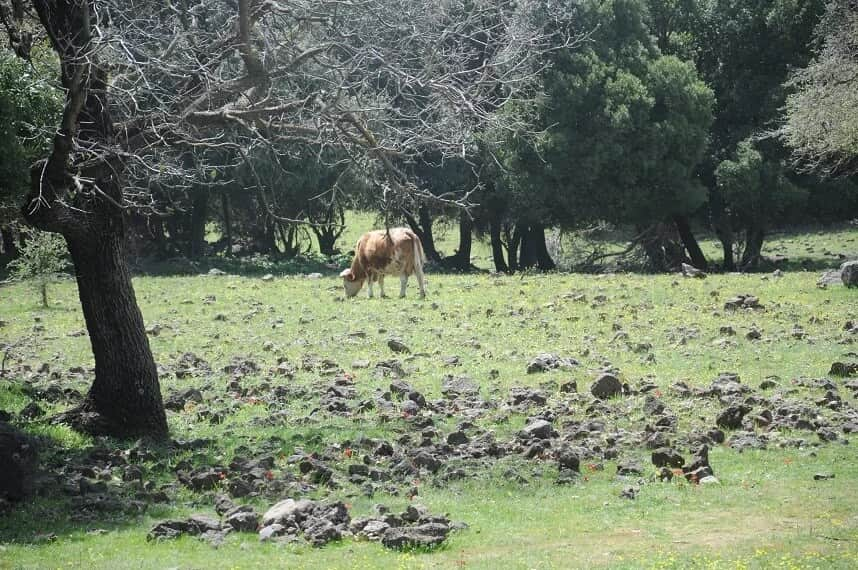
[[381, 285], [369, 285], [403, 281], [418, 271]]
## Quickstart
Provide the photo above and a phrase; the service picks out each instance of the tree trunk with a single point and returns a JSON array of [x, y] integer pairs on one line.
[[497, 245], [513, 242], [752, 255], [227, 222], [126, 393], [462, 260], [10, 249], [199, 215], [423, 229], [543, 258], [690, 243], [82, 199], [527, 257]]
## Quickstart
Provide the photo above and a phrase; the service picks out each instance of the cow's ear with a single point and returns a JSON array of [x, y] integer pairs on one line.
[[347, 274]]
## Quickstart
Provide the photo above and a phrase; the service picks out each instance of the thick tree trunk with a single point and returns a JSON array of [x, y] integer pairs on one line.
[[513, 241], [227, 222], [462, 260], [497, 245], [527, 255], [199, 216], [752, 255], [126, 393], [543, 258], [81, 198], [10, 248], [423, 228], [690, 242]]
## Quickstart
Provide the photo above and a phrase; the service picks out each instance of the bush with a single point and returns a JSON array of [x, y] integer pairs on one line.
[[42, 258]]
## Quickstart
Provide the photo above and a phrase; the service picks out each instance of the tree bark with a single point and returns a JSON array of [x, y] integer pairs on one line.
[[7, 242], [423, 228], [543, 258], [125, 393], [690, 242], [752, 255], [227, 222], [513, 242], [497, 245], [462, 260], [199, 215], [78, 195]]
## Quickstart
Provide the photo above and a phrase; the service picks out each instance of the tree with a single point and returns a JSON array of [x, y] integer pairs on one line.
[[42, 259], [745, 50], [758, 190], [822, 113], [147, 83], [28, 102], [628, 128]]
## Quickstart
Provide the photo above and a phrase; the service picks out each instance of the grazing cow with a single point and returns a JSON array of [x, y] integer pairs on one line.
[[397, 251]]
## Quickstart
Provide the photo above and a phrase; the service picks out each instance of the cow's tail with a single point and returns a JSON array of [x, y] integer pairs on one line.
[[419, 255]]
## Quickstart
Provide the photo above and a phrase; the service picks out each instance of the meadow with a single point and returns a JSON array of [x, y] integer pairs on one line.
[[784, 496]]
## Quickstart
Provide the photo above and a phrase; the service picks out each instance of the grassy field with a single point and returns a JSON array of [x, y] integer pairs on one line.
[[767, 511]]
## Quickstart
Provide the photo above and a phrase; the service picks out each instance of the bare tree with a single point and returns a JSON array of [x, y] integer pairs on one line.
[[150, 83]]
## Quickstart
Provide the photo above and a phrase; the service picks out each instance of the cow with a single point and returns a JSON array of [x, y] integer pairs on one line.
[[397, 251]]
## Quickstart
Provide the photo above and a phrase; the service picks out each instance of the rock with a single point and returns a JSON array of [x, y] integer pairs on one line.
[[271, 531], [546, 362], [421, 536], [203, 479], [538, 429], [667, 457], [569, 387], [709, 480], [691, 271], [31, 411], [397, 345], [168, 530], [569, 460], [731, 418], [458, 438], [823, 476], [19, 458], [742, 302], [606, 386], [287, 511], [268, 277], [319, 532], [453, 387], [699, 466], [176, 401], [630, 493], [526, 396], [214, 271], [424, 460], [844, 369], [849, 273], [373, 529], [629, 467], [242, 519]]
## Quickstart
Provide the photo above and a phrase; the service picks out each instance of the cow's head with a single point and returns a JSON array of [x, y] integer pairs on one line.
[[351, 284]]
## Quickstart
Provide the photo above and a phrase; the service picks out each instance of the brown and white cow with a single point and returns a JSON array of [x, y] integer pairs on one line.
[[379, 253]]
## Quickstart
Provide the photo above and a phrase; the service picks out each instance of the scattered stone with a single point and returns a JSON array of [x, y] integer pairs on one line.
[[19, 459], [629, 467], [844, 369], [849, 273], [742, 302], [458, 387], [630, 493], [397, 345], [268, 277], [426, 535], [538, 429], [691, 271], [177, 401], [823, 476], [546, 362], [731, 418], [606, 386], [667, 457]]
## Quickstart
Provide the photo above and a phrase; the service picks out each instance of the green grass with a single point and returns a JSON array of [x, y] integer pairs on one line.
[[767, 513]]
